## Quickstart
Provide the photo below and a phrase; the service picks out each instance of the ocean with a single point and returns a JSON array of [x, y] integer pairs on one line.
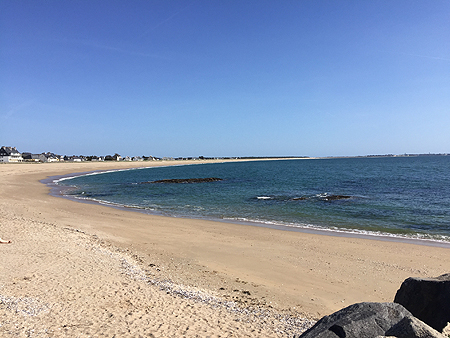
[[390, 196]]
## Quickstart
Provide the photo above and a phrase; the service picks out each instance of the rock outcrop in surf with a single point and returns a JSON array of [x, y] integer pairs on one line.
[[335, 197], [323, 198], [186, 180]]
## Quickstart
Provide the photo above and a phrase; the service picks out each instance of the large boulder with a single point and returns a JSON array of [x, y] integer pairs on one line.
[[411, 327], [359, 320], [428, 299]]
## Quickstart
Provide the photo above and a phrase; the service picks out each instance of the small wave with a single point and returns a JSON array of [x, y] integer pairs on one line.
[[107, 203], [317, 197], [344, 231], [88, 174], [99, 172]]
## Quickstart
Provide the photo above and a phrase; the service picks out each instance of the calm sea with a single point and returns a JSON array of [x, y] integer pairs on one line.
[[398, 196]]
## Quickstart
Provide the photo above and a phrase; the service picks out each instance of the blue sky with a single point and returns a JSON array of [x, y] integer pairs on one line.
[[225, 78]]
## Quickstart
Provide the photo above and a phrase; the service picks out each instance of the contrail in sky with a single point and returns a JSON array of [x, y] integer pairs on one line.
[[166, 20], [427, 56], [16, 108]]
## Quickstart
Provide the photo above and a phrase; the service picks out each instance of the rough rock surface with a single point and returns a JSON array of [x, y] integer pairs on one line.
[[411, 327], [359, 320], [427, 299]]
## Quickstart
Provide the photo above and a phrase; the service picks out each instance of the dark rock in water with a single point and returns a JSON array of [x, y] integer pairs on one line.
[[359, 320], [324, 198], [428, 299], [188, 180], [411, 327], [335, 197]]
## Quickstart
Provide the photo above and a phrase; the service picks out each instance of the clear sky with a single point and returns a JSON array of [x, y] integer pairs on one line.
[[225, 78]]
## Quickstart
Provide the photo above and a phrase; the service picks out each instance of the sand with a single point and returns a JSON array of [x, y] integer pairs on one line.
[[86, 270]]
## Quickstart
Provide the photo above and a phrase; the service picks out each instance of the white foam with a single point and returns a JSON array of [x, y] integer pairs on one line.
[[445, 240], [116, 170]]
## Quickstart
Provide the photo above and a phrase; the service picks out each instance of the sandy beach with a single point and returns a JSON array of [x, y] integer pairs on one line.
[[87, 270]]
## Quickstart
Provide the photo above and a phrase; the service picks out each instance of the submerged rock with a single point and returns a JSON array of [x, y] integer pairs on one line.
[[322, 198], [186, 180], [335, 197], [428, 299]]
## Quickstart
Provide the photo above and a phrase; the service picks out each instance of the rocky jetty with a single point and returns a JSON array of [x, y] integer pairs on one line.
[[186, 180], [421, 310]]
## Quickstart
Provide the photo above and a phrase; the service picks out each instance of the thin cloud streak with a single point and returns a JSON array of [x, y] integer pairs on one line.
[[15, 109], [165, 20], [96, 45], [430, 57], [426, 56]]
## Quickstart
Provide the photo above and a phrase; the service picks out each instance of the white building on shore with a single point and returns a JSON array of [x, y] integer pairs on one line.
[[10, 154]]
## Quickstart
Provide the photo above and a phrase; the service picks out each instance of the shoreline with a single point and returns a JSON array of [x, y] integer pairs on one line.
[[57, 191], [293, 273]]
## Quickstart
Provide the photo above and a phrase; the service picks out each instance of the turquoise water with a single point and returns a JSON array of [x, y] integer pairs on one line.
[[403, 196]]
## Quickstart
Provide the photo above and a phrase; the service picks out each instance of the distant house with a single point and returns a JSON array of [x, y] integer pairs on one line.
[[49, 157], [10, 154], [115, 157], [73, 158], [126, 158], [29, 157], [137, 158]]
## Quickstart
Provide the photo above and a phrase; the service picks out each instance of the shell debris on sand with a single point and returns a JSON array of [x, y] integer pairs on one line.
[[63, 282], [282, 323], [23, 306]]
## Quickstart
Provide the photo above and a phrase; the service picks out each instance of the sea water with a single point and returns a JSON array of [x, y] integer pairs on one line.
[[397, 196]]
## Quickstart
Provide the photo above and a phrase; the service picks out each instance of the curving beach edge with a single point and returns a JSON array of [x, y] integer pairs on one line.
[[84, 269]]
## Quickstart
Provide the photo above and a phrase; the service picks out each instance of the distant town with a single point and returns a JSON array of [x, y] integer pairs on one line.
[[11, 155]]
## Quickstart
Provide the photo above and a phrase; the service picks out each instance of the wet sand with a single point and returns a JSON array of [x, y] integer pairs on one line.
[[83, 269]]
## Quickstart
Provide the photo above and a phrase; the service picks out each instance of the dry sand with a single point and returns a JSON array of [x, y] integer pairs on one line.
[[87, 270]]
